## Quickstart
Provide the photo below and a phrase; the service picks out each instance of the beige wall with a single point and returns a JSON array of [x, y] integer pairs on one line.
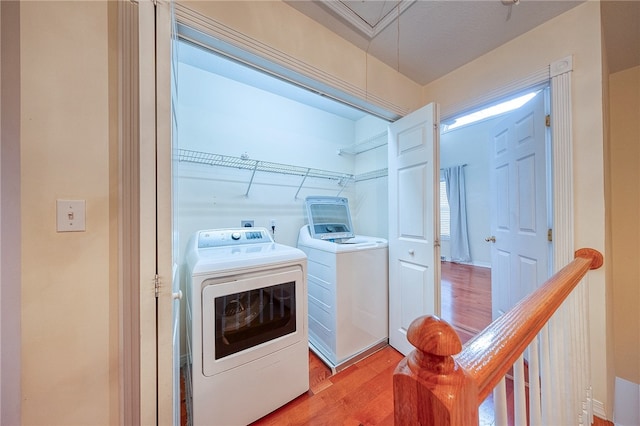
[[624, 106], [576, 33], [69, 289]]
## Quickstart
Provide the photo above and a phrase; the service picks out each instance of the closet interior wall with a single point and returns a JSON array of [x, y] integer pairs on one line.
[[225, 118]]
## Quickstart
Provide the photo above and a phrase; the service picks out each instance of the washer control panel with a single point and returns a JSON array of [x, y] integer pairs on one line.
[[232, 237]]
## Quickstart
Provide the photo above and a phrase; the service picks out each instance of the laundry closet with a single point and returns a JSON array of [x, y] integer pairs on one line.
[[246, 141], [249, 149]]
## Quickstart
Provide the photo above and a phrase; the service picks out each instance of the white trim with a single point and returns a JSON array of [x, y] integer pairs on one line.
[[598, 409], [538, 77], [146, 167], [472, 263], [561, 66], [129, 292], [166, 400], [363, 26], [562, 168]]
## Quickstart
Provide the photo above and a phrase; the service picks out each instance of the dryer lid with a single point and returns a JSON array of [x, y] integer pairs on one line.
[[329, 218]]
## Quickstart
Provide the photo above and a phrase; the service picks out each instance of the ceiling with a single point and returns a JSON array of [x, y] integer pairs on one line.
[[451, 31], [434, 37]]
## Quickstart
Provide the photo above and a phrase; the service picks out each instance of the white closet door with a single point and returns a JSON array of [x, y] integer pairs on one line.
[[414, 222]]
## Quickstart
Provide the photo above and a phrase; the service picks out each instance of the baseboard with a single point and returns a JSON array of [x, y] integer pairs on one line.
[[598, 409], [472, 263]]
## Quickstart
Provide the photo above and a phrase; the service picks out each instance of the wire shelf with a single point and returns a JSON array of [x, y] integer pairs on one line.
[[372, 175], [366, 145], [257, 165], [189, 156]]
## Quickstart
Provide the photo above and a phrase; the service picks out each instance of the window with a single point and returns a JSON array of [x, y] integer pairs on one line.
[[444, 211], [489, 112]]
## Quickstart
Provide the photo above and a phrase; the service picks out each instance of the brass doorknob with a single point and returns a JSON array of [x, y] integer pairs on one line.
[[490, 239]]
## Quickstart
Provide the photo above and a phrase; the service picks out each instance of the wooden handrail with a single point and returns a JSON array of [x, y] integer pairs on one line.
[[442, 383]]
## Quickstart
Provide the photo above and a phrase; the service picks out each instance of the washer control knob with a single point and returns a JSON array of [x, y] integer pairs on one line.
[[235, 236]]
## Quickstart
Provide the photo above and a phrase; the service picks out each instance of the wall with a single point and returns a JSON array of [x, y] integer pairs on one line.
[[470, 145], [10, 253], [222, 116], [69, 290], [371, 199], [624, 151], [576, 32]]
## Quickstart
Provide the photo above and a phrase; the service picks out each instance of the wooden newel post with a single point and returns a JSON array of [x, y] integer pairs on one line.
[[429, 386]]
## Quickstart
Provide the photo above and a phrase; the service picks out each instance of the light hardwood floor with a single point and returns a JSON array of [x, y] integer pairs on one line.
[[465, 298]]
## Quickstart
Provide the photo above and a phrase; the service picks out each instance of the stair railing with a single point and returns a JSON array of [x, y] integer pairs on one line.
[[442, 383]]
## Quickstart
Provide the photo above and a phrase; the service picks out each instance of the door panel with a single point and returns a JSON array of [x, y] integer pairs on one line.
[[410, 182], [414, 222], [519, 205], [412, 292], [500, 275], [527, 194]]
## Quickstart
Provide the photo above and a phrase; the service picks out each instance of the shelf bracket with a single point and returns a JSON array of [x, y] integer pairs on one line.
[[253, 174], [343, 182], [301, 183]]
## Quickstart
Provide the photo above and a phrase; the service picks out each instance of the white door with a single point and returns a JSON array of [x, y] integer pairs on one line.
[[519, 219], [414, 222]]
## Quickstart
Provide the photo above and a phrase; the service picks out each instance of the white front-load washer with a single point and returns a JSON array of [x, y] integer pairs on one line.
[[348, 279], [247, 329]]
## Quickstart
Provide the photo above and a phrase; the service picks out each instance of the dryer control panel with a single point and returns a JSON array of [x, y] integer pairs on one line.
[[232, 237]]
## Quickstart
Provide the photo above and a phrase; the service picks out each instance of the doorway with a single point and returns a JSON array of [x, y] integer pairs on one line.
[[471, 147], [249, 148]]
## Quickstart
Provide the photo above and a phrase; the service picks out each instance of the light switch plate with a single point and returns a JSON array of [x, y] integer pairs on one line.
[[70, 215]]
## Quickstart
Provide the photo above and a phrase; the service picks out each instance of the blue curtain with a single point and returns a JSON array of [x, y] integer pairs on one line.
[[454, 179]]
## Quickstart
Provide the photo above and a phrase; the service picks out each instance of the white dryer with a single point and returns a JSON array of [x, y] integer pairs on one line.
[[247, 329], [348, 284]]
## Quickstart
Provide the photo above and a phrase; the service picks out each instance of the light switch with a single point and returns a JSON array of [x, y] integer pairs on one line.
[[70, 215]]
